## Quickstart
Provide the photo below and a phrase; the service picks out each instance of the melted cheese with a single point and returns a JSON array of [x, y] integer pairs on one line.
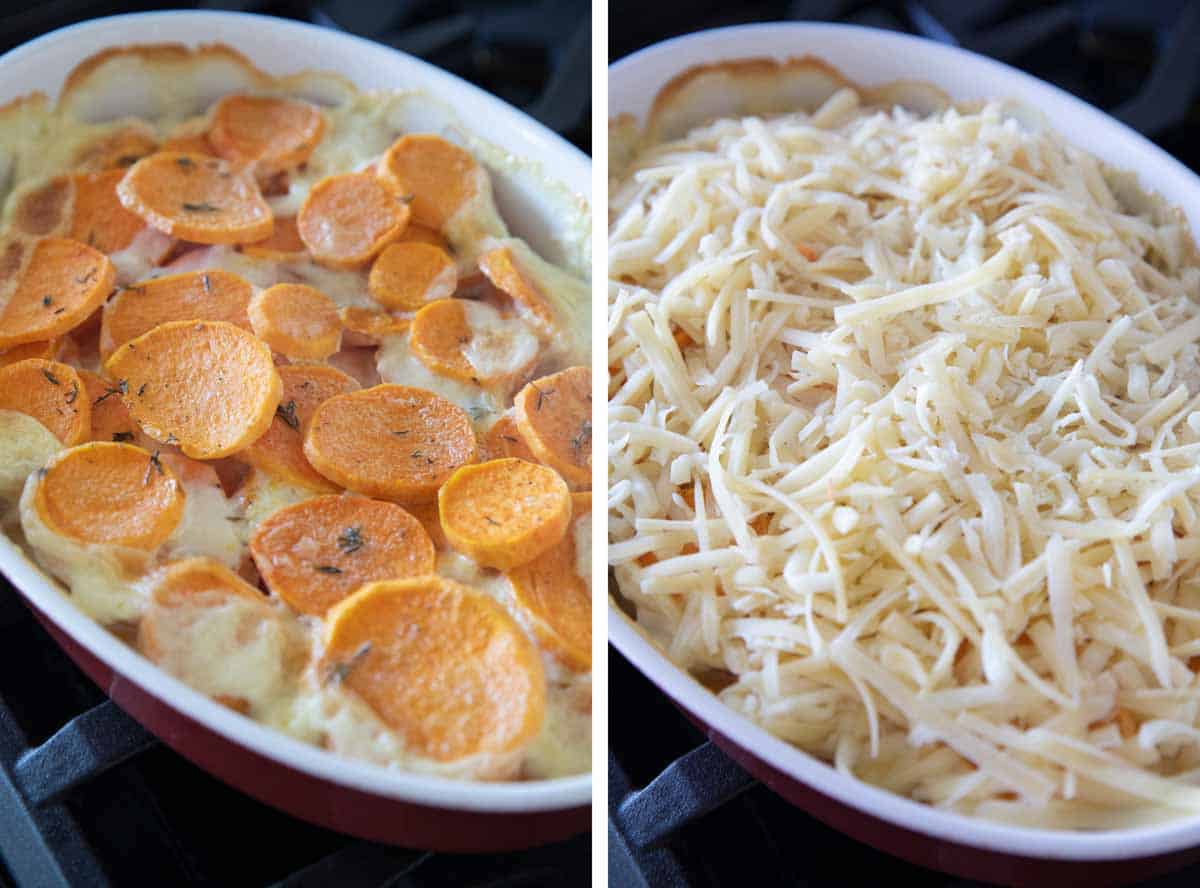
[[498, 346], [208, 526], [397, 364], [25, 445]]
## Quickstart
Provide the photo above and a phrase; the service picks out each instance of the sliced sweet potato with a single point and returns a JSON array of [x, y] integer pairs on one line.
[[501, 268], [280, 452], [195, 143], [317, 552], [472, 342], [183, 582], [554, 416], [504, 440], [196, 198], [348, 218], [98, 218], [62, 284], [444, 666], [110, 493], [390, 441], [296, 320], [283, 245], [191, 296], [368, 326], [557, 600], [427, 514], [273, 133], [406, 276], [50, 392], [416, 233], [435, 175], [119, 149], [46, 209], [208, 386], [504, 513], [110, 417], [47, 351]]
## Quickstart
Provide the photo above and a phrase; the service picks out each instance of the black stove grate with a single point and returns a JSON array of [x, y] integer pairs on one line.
[[681, 813], [87, 796]]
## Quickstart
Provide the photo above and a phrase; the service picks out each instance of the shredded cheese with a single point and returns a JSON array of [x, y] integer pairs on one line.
[[904, 414]]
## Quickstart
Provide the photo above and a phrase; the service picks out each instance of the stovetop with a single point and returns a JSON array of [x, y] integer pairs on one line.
[[87, 797], [681, 813]]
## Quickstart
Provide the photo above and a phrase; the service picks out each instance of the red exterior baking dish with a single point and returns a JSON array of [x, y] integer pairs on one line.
[[925, 835], [351, 796]]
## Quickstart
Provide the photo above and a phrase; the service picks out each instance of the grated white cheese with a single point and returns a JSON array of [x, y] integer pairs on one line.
[[903, 429]]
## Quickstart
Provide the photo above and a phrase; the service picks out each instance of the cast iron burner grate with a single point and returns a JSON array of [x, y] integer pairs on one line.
[[681, 813], [87, 797]]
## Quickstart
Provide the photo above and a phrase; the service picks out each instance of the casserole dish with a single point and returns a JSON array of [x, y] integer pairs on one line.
[[924, 834], [540, 180]]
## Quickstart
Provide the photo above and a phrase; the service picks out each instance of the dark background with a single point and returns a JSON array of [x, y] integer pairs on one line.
[[139, 814], [1137, 59]]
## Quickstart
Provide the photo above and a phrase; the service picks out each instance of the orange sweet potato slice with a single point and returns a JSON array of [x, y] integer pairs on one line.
[[317, 552], [504, 513], [196, 143], [183, 582], [443, 665], [196, 198], [46, 350], [406, 276], [503, 440], [554, 416], [50, 392], [348, 218], [45, 209], [368, 326], [116, 150], [208, 386], [296, 320], [390, 441], [416, 233], [447, 334], [274, 133], [283, 245], [557, 600], [110, 493], [437, 176], [110, 417], [500, 267], [280, 452], [427, 514], [63, 283], [98, 217], [192, 296]]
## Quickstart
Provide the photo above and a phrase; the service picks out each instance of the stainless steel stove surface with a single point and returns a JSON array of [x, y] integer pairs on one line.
[[680, 812], [87, 797]]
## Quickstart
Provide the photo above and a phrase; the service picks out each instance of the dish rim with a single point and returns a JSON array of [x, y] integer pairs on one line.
[[1156, 170], [561, 162]]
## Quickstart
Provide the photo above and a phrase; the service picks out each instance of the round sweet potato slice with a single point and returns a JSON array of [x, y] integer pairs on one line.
[[98, 218], [500, 267], [441, 664], [416, 233], [196, 198], [554, 416], [280, 452], [191, 296], [110, 417], [195, 143], [390, 441], [556, 598], [283, 245], [62, 284], [406, 276], [297, 320], [504, 513], [273, 133], [50, 392], [472, 342], [348, 218], [119, 149], [503, 440], [369, 326], [46, 350], [111, 494], [317, 552], [435, 175], [208, 386]]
